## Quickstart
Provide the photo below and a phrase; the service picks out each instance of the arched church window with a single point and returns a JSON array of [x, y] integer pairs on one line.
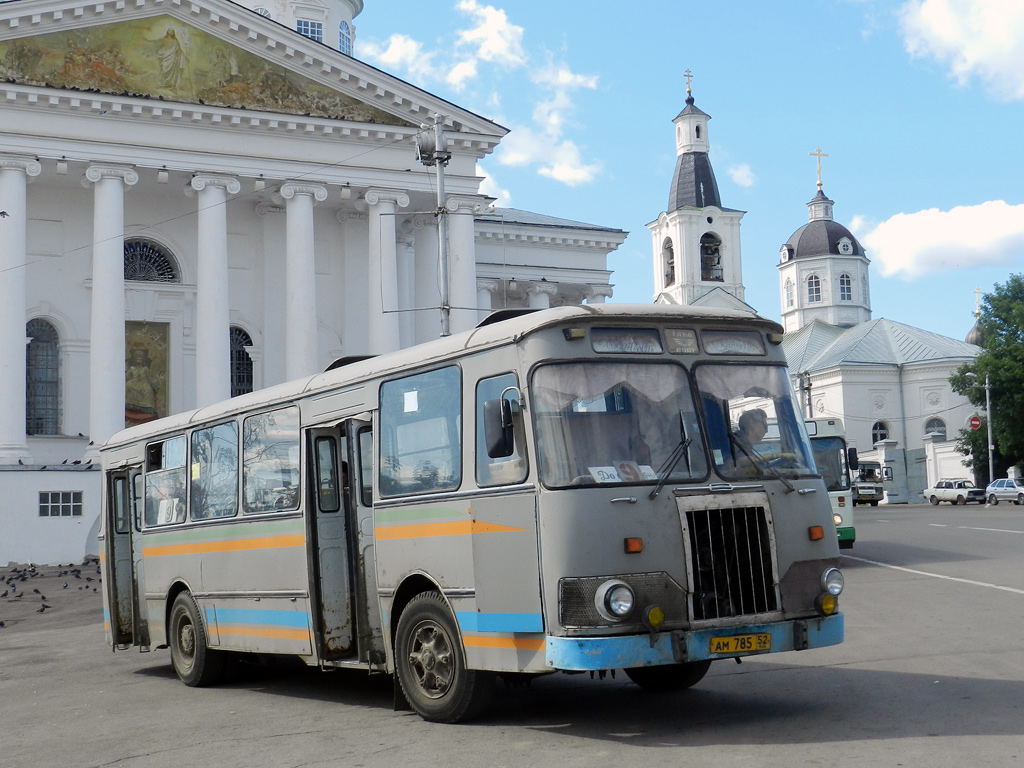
[[696, 131], [864, 289], [345, 38], [789, 292], [241, 363], [42, 379], [845, 288], [813, 289], [147, 261], [879, 432], [314, 30], [710, 258], [936, 427], [263, 12], [668, 261]]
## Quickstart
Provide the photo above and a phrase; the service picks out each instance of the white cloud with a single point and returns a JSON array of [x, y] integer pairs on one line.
[[494, 38], [913, 244], [493, 42], [741, 175], [502, 197], [402, 52], [975, 38], [557, 159]]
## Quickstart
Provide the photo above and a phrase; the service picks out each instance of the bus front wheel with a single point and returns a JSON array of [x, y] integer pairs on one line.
[[431, 665], [193, 660], [666, 679]]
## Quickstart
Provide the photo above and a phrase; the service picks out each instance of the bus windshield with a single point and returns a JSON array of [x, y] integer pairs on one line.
[[601, 423], [753, 421], [830, 456]]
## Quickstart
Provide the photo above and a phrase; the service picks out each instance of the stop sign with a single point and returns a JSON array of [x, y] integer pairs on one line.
[[975, 422]]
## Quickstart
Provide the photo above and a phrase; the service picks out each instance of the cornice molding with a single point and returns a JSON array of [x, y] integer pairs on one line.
[[262, 37]]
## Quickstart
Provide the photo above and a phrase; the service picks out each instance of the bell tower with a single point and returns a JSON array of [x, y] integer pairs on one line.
[[696, 240]]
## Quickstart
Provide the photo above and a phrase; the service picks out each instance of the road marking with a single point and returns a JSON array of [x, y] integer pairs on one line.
[[936, 525], [937, 575], [993, 530]]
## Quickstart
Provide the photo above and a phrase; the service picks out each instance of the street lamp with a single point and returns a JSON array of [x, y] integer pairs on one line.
[[988, 421]]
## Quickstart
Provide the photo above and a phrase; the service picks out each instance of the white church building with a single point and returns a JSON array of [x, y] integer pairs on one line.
[[887, 381], [200, 199]]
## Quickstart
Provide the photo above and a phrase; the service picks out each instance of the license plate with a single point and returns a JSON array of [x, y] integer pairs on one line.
[[762, 641]]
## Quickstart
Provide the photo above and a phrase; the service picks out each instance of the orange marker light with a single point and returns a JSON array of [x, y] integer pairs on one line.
[[816, 533], [633, 546]]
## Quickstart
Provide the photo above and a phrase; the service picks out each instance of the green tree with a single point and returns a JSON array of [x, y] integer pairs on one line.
[[1002, 361]]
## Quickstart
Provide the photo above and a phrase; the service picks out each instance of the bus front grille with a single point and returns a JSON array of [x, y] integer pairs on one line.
[[731, 563]]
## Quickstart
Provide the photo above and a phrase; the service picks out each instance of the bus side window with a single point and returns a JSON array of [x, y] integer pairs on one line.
[[165, 482], [270, 461], [421, 433], [507, 469], [214, 472]]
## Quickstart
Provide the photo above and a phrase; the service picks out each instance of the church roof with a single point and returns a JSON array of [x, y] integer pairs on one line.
[[818, 346], [516, 216], [693, 183], [821, 237]]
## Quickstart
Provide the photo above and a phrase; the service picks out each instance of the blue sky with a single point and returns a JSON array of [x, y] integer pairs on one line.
[[919, 105]]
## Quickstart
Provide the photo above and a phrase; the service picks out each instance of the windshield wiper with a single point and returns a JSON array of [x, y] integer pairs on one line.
[[670, 463]]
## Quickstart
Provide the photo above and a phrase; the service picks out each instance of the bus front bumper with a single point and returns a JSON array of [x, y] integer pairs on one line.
[[677, 646]]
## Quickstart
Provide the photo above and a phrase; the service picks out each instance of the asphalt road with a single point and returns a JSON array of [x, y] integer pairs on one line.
[[931, 674]]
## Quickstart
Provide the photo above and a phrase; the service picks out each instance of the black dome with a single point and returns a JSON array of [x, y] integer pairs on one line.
[[693, 184], [821, 237]]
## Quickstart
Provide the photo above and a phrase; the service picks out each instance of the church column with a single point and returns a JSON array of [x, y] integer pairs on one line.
[[213, 354], [383, 277], [106, 332], [14, 173], [539, 295], [596, 294], [300, 281], [485, 296], [462, 260]]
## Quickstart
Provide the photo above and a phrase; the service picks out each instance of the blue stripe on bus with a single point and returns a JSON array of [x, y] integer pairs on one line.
[[265, 617], [471, 621], [624, 651]]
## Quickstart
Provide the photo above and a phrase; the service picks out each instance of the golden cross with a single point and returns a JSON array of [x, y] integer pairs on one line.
[[818, 154], [689, 77], [977, 302]]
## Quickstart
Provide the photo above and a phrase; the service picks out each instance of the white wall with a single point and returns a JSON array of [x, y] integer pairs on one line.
[[27, 537]]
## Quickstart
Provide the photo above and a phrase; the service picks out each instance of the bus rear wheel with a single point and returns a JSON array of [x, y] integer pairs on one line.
[[674, 677], [194, 662], [431, 665]]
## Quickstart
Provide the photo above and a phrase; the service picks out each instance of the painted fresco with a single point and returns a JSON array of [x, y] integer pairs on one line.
[[145, 371], [164, 58]]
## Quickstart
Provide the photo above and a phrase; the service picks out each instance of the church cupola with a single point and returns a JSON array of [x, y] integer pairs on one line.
[[823, 270], [696, 240]]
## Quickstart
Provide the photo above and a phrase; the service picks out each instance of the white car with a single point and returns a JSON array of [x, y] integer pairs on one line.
[[955, 492]]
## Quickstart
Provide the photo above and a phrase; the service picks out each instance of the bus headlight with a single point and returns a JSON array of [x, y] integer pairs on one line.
[[832, 581], [614, 600], [838, 519]]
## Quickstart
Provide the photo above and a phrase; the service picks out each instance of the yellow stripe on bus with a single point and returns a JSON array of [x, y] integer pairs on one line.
[[515, 643], [226, 545], [457, 528], [230, 630]]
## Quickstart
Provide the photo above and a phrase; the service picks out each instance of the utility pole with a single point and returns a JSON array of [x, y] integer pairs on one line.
[[432, 150]]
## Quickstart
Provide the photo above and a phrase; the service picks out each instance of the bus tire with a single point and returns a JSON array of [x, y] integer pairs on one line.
[[431, 665], [194, 662], [673, 677]]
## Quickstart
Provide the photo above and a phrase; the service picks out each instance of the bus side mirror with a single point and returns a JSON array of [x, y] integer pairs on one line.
[[851, 458], [498, 434]]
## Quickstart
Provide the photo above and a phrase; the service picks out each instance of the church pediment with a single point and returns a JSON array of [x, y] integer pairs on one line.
[[161, 57]]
